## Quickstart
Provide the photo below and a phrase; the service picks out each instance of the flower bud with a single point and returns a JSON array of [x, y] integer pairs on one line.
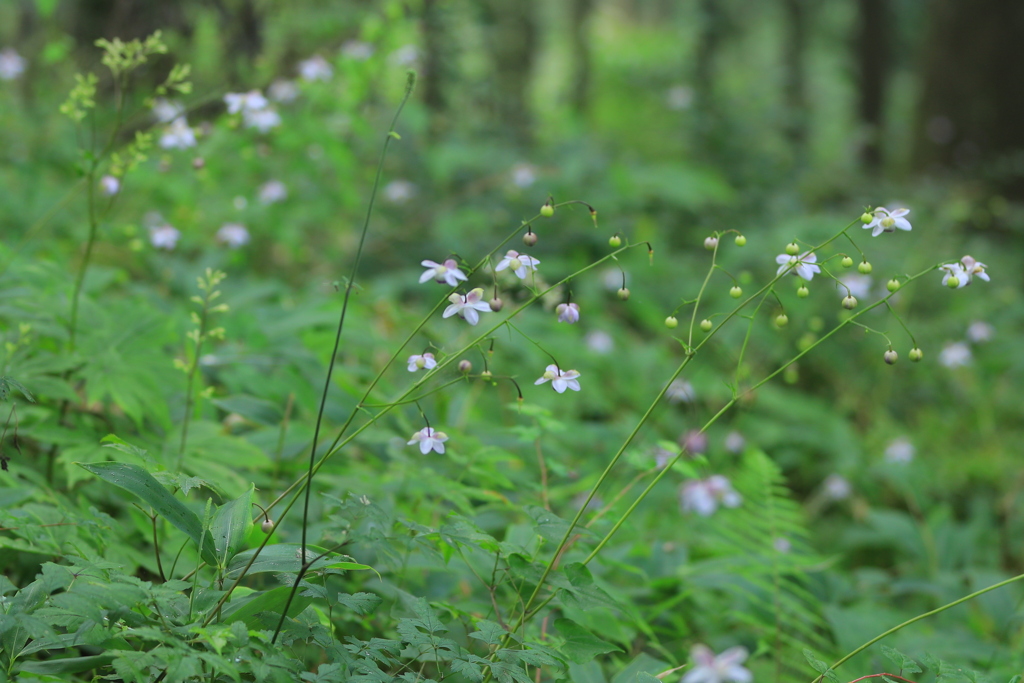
[[547, 210], [864, 268], [847, 262], [736, 292], [710, 243], [486, 375], [953, 282], [792, 248], [782, 320], [615, 241], [741, 240], [849, 302], [671, 322], [706, 325], [267, 526], [866, 218], [891, 356], [623, 294], [530, 239], [803, 292], [465, 366], [915, 354], [892, 285], [496, 304]]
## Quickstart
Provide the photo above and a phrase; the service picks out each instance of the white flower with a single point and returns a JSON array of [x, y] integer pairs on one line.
[[568, 313], [165, 111], [899, 450], [357, 50], [709, 668], [110, 185], [955, 355], [524, 175], [955, 270], [801, 266], [979, 332], [245, 102], [734, 442], [428, 440], [163, 237], [858, 285], [837, 487], [600, 342], [283, 91], [447, 272], [703, 496], [272, 191], [233, 234], [178, 135], [262, 120], [884, 220], [680, 391], [560, 379], [12, 65], [315, 68], [399, 191], [467, 306], [407, 55], [424, 362], [518, 263], [972, 268]]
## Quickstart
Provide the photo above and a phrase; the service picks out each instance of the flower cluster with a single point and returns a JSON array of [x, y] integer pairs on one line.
[[961, 274], [255, 110], [703, 496]]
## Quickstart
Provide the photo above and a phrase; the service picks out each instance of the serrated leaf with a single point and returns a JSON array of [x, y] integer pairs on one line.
[[488, 632], [284, 557], [360, 603], [820, 666], [249, 608], [581, 646], [141, 483], [230, 525], [905, 664]]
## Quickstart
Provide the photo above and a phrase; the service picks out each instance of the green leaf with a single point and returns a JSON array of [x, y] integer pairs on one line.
[[231, 524], [258, 410], [820, 666], [249, 608], [136, 480], [68, 665], [284, 557], [581, 646], [905, 664], [360, 603]]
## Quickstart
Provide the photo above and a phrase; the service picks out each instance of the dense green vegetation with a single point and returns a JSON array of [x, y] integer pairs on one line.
[[692, 423]]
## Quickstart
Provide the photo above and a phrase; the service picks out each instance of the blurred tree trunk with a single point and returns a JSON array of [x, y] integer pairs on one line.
[[579, 35], [972, 104], [795, 90], [511, 35], [872, 48]]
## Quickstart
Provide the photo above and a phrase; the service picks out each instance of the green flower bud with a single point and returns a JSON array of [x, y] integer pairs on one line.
[[736, 292], [741, 241], [547, 211], [706, 325], [864, 267], [916, 354], [866, 218], [465, 366], [803, 292], [623, 294], [615, 241], [847, 262], [792, 248], [782, 320], [953, 282], [710, 243], [849, 302], [892, 285], [891, 356], [671, 322]]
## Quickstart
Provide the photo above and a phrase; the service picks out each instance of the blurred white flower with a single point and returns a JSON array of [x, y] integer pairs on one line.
[[163, 237], [560, 379], [679, 97], [245, 101], [859, 285], [110, 185], [955, 355], [429, 439], [262, 120], [357, 49], [802, 266], [520, 264], [407, 55], [600, 342], [979, 332], [399, 191], [233, 234], [421, 362], [467, 306], [884, 220], [703, 496], [734, 442], [165, 111], [524, 175], [443, 273], [272, 191], [283, 91], [315, 68], [782, 545], [972, 268], [680, 391], [12, 65], [178, 135], [837, 487], [694, 442], [568, 313], [900, 450]]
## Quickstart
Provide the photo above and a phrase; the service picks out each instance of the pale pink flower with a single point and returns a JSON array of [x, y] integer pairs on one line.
[[443, 273], [560, 379], [518, 263], [467, 306], [429, 439], [723, 668], [568, 313]]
